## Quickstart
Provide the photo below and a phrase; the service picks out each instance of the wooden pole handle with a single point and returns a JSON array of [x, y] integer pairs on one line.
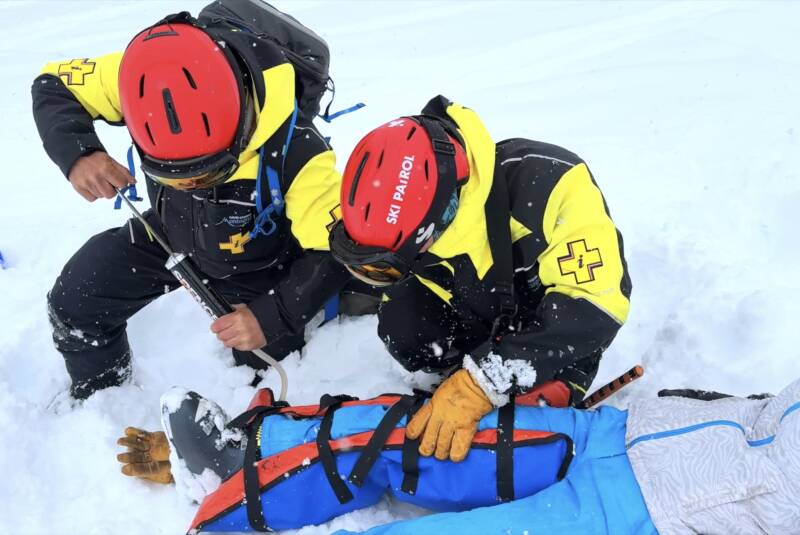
[[608, 390]]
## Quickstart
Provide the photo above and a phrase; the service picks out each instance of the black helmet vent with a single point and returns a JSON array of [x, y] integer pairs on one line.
[[205, 123], [351, 198], [398, 240], [149, 133], [172, 116], [189, 78]]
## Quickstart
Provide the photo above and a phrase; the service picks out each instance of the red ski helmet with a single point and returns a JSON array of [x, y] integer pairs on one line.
[[183, 101], [399, 193]]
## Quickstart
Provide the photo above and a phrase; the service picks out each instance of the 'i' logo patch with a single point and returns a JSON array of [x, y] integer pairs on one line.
[[580, 262]]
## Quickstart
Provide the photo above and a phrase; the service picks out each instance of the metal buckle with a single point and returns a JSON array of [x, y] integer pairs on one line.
[[508, 309], [502, 323]]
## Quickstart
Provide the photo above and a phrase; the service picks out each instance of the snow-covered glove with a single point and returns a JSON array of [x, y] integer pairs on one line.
[[450, 419], [147, 456]]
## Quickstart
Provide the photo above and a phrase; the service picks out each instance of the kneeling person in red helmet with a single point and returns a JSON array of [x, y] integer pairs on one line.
[[499, 259], [237, 175]]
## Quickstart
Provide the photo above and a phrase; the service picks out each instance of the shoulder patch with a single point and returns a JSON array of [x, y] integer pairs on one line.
[[580, 261], [74, 72]]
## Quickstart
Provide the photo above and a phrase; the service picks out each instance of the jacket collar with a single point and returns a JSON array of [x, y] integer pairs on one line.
[[467, 233]]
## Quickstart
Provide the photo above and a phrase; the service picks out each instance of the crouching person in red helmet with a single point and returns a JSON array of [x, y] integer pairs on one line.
[[237, 175], [499, 259]]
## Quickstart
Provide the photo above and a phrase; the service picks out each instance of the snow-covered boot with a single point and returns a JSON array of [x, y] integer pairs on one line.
[[203, 452]]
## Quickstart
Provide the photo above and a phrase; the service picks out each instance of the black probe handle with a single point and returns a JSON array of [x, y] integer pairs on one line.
[[206, 296]]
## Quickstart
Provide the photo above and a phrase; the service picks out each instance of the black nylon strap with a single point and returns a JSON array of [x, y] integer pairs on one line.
[[326, 456], [241, 421], [251, 420], [498, 229], [505, 452], [334, 401], [411, 455], [372, 450], [252, 489]]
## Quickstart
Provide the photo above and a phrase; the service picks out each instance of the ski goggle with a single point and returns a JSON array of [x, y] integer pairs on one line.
[[375, 266], [377, 274], [203, 172], [196, 173]]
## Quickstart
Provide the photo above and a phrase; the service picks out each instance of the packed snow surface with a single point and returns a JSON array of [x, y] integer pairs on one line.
[[686, 112]]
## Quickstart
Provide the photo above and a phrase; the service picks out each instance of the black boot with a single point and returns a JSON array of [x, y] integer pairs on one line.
[[195, 427], [94, 361]]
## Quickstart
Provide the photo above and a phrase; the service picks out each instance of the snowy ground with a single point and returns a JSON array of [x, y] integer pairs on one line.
[[686, 112]]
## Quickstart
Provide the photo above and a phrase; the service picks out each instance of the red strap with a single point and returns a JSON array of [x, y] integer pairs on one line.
[[262, 398], [314, 410], [554, 393]]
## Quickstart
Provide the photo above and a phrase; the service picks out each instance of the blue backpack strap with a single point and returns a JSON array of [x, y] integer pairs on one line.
[[289, 134], [264, 214], [276, 205], [328, 116], [130, 188]]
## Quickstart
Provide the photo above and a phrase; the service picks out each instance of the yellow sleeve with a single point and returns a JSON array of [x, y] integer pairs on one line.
[[583, 258], [312, 202], [94, 82]]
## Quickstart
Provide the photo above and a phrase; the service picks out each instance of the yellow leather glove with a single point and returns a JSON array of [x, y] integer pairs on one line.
[[450, 419], [147, 456]]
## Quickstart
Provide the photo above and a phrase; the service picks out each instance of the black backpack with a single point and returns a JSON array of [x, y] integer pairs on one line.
[[307, 51]]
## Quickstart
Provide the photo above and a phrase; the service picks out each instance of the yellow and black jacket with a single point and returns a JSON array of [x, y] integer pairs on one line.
[[211, 224], [570, 277]]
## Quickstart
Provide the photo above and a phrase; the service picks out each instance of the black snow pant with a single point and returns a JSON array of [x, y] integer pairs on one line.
[[422, 332], [114, 275]]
